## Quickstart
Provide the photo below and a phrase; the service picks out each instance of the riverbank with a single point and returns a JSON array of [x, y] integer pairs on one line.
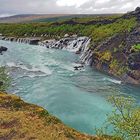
[[20, 120]]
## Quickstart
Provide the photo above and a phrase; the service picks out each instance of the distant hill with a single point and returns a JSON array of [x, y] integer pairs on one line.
[[29, 18], [45, 17]]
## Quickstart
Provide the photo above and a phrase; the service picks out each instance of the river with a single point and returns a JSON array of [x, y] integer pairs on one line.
[[46, 77]]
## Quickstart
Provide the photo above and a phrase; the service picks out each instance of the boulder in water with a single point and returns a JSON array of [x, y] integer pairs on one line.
[[3, 49], [78, 67], [1, 83]]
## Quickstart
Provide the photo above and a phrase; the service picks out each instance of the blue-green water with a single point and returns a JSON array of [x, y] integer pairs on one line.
[[46, 77]]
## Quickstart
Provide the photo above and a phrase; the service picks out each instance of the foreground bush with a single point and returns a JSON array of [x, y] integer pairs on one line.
[[124, 122], [4, 79]]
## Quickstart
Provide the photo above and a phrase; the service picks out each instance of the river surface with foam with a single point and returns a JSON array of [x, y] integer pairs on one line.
[[46, 77]]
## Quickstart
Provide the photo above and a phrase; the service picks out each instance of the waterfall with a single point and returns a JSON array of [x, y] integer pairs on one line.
[[79, 45]]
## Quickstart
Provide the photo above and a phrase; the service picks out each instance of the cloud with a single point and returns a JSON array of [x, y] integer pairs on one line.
[[76, 3], [102, 1], [5, 15], [10, 7]]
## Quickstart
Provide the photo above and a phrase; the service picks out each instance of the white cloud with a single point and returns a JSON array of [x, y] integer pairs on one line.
[[66, 6], [101, 1], [127, 6], [5, 15], [76, 3]]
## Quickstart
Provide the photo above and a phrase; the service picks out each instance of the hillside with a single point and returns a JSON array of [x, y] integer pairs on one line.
[[29, 18], [25, 18]]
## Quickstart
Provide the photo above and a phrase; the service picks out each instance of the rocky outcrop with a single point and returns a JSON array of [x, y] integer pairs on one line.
[[135, 13], [115, 57], [134, 61], [75, 44], [31, 41]]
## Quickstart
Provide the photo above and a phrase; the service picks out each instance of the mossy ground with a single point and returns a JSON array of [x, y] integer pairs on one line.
[[23, 121]]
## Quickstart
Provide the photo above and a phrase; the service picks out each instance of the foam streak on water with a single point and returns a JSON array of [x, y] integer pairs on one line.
[[47, 77]]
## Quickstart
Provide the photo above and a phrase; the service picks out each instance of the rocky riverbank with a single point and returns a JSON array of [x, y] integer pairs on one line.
[[27, 40], [120, 54]]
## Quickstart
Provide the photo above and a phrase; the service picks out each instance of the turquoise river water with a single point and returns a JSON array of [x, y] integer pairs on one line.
[[46, 77]]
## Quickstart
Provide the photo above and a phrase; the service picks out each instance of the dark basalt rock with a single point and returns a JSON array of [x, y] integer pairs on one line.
[[105, 67], [31, 41], [3, 49], [1, 83], [34, 41], [137, 10], [78, 67], [134, 61], [135, 13]]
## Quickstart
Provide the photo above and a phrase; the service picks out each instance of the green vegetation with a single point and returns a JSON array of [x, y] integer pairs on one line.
[[98, 32], [79, 18], [92, 18], [4, 79], [136, 47], [106, 56], [117, 67], [125, 119], [108, 30]]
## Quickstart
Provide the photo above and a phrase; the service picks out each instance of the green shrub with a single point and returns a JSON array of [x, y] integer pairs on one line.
[[117, 67], [4, 79], [98, 32], [124, 120], [136, 47], [106, 56], [114, 64]]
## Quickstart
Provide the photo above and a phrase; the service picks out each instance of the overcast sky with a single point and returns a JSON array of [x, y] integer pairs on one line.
[[11, 7]]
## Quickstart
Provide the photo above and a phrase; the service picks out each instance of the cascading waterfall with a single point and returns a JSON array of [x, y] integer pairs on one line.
[[79, 45]]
